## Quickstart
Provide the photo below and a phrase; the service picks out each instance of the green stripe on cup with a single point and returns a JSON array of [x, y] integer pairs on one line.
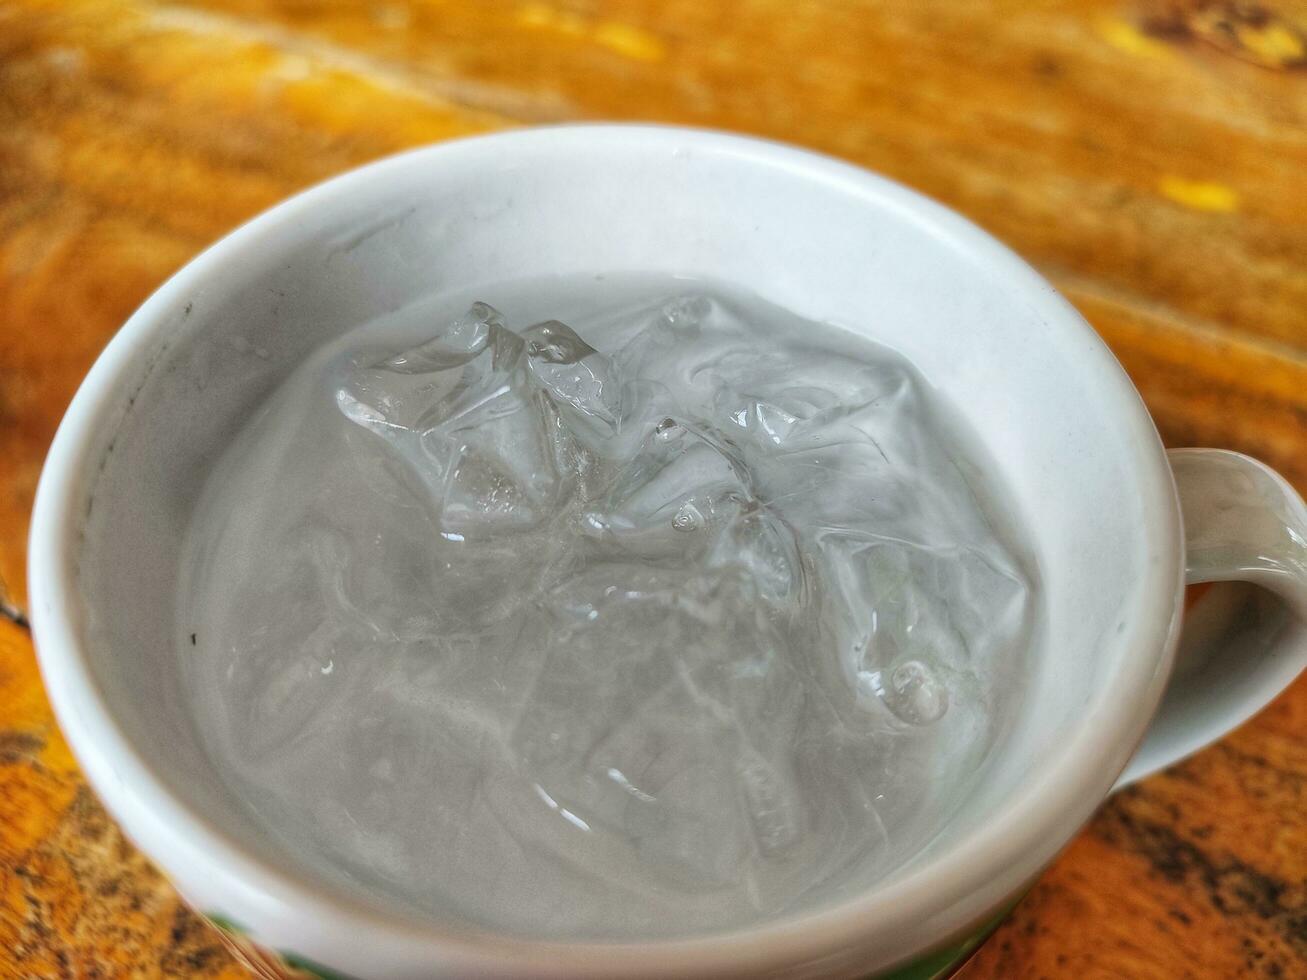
[[944, 962], [934, 966]]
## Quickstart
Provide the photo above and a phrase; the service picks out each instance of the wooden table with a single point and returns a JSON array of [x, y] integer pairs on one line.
[[1150, 158]]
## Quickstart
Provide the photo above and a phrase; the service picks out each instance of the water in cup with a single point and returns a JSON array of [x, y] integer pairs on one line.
[[615, 607]]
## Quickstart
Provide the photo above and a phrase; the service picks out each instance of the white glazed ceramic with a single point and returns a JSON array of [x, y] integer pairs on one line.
[[825, 239]]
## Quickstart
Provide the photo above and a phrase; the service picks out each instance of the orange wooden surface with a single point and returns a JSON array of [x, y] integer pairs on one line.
[[1150, 157]]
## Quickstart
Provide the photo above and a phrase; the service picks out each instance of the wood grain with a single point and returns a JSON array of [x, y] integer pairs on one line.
[[1148, 157]]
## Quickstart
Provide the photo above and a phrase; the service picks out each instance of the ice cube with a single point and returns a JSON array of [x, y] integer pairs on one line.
[[552, 342], [289, 638], [772, 806], [393, 394], [787, 400], [465, 338], [989, 600], [462, 370], [503, 472], [577, 376], [489, 385], [913, 621], [765, 549], [677, 463], [462, 412], [915, 693], [672, 670], [691, 835], [686, 314], [671, 498], [625, 644], [670, 329]]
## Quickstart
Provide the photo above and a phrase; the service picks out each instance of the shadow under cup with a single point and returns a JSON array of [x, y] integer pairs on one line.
[[1076, 450]]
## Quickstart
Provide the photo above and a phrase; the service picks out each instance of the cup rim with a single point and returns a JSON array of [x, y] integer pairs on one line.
[[901, 918]]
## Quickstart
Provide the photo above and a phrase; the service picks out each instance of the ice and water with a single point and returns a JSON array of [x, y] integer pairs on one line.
[[616, 609]]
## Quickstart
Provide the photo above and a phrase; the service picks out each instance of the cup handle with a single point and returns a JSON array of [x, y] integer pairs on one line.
[[1242, 523]]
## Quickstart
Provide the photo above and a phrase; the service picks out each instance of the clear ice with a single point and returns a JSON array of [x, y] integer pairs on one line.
[[695, 621]]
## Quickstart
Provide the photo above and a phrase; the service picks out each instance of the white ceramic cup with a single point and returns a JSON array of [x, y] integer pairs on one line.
[[824, 239]]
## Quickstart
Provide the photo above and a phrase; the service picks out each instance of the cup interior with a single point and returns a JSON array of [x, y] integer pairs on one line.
[[1051, 407]]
